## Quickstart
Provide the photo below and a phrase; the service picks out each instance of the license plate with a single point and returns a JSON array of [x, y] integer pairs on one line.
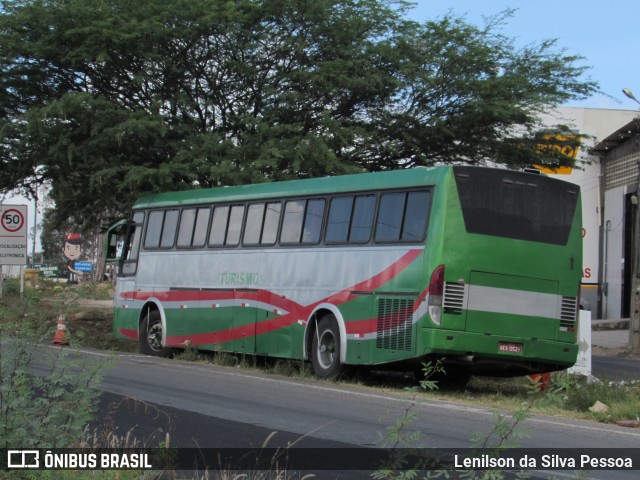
[[508, 347]]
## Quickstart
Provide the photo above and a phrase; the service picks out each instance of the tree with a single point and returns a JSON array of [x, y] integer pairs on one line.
[[108, 99]]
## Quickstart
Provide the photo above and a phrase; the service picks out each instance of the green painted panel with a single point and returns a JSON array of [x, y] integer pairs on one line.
[[463, 343], [514, 282], [511, 325]]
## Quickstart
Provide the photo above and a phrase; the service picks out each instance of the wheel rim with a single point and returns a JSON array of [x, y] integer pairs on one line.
[[154, 337], [327, 349]]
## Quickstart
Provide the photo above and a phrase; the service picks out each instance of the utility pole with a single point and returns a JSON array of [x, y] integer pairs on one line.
[[634, 321]]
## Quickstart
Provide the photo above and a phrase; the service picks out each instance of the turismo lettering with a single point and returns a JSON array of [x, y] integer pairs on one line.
[[240, 278]]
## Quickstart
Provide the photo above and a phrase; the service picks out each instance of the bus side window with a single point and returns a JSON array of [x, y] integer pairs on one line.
[[161, 230], [362, 219], [271, 223], [313, 222], [200, 230], [192, 231], [339, 218], [302, 222], [219, 226], [351, 220], [185, 230], [261, 226], [402, 217], [169, 228], [415, 217], [292, 223], [235, 226], [154, 228], [226, 226]]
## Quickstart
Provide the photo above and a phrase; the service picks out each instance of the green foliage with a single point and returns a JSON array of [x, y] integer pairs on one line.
[[49, 409], [107, 100], [399, 439], [506, 432], [95, 291], [11, 287], [188, 354], [576, 393]]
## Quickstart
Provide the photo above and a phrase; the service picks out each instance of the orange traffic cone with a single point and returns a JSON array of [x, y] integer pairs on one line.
[[60, 338], [540, 380]]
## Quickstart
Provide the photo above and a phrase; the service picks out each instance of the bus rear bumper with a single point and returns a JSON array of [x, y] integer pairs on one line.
[[498, 355]]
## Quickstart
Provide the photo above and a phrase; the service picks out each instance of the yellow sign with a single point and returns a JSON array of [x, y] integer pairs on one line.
[[570, 151]]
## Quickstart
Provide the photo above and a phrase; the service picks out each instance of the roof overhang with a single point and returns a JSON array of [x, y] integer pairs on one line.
[[617, 138]]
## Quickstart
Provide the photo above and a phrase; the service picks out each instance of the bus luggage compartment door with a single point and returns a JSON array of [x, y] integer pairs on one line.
[[244, 320]]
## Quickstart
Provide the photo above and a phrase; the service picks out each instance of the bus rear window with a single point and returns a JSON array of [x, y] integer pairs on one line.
[[517, 205]]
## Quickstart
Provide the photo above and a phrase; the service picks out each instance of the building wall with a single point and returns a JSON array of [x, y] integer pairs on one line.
[[598, 124], [620, 181]]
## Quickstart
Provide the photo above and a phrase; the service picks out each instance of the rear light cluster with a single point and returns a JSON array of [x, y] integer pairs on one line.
[[435, 297]]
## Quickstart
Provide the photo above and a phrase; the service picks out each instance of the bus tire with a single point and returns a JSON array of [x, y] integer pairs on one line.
[[150, 338], [325, 349]]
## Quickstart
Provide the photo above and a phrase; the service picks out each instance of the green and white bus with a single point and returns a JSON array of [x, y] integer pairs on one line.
[[478, 266]]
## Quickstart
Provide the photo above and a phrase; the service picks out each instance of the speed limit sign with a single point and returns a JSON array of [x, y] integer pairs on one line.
[[13, 234]]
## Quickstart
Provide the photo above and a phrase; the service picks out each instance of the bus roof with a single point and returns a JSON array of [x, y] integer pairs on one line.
[[293, 188]]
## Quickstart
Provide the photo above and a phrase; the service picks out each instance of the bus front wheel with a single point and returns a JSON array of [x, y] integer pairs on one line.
[[326, 348], [150, 338]]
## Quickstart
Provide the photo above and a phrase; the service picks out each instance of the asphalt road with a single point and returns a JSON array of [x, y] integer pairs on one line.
[[211, 406], [615, 368]]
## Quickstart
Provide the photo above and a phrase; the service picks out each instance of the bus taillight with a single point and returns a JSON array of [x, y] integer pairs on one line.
[[436, 290]]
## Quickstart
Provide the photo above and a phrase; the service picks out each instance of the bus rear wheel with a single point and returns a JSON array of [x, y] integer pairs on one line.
[[150, 338], [326, 348]]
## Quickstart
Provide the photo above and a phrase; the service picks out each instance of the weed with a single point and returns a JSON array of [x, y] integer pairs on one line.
[[189, 353], [95, 291]]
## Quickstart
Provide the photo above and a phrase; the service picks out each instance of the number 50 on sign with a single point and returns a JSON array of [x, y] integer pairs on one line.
[[13, 234]]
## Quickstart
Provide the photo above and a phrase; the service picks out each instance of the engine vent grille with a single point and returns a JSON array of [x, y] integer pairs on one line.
[[568, 313], [453, 298], [395, 328]]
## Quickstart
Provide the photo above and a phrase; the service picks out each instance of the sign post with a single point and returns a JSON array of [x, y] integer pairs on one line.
[[13, 236]]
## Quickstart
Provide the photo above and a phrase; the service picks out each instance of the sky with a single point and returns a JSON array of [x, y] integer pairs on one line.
[[606, 33]]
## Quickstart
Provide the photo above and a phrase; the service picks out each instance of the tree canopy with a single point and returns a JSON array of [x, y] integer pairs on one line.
[[105, 100]]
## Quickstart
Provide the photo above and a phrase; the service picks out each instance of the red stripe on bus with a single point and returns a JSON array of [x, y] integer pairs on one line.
[[296, 310], [128, 333], [360, 327], [263, 296]]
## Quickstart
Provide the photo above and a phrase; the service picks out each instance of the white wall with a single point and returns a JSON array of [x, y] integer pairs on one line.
[[598, 124]]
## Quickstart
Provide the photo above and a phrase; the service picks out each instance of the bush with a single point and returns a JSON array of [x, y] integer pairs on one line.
[[47, 397]]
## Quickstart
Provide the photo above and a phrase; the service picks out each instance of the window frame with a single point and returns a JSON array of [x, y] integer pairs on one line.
[[265, 213], [305, 210], [354, 201], [327, 200], [161, 236], [406, 192], [197, 211]]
